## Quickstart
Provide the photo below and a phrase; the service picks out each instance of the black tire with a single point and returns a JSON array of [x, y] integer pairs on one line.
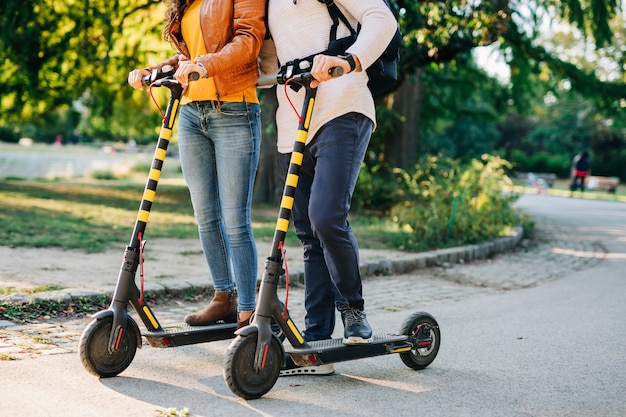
[[421, 325], [94, 352], [239, 372]]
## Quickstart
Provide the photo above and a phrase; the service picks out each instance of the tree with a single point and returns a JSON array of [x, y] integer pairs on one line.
[[438, 34], [54, 53]]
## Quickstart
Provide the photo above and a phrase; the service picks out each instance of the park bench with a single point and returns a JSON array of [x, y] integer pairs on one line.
[[609, 184]]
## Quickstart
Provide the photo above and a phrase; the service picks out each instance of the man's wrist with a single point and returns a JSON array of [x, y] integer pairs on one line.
[[350, 59]]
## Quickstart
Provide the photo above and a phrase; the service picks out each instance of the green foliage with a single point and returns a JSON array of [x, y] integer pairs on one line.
[[460, 111], [85, 52], [441, 202], [436, 32], [530, 60], [448, 204], [467, 139], [563, 126], [542, 162], [608, 153], [590, 16], [9, 134], [378, 189]]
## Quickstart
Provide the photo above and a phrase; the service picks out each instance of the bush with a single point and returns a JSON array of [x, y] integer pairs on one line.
[[447, 204], [8, 134], [378, 189], [541, 162]]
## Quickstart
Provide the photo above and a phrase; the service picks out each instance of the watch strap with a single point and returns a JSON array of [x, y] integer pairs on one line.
[[351, 61]]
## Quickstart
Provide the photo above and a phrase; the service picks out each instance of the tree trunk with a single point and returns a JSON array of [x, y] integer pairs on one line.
[[269, 182], [401, 147]]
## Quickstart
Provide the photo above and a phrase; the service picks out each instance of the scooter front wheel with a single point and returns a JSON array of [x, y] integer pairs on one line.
[[94, 352], [239, 370], [423, 330]]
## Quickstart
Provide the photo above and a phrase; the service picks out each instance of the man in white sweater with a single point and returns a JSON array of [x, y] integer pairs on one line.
[[341, 126]]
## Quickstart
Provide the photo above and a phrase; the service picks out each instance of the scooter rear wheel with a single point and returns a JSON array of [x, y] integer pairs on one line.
[[420, 326], [239, 372], [94, 352]]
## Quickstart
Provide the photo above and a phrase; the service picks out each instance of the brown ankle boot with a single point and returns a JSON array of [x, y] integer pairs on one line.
[[222, 307], [243, 322]]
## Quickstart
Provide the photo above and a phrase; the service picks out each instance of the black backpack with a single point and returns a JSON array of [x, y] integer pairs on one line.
[[383, 73]]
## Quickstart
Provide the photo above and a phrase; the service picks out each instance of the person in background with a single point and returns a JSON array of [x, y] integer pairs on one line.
[[75, 139], [132, 145], [580, 170], [219, 135], [341, 126]]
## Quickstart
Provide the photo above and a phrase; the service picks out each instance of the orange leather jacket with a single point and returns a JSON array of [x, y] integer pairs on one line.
[[233, 32]]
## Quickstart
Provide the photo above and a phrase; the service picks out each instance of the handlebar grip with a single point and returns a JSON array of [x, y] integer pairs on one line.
[[269, 80], [146, 80], [160, 75], [336, 71]]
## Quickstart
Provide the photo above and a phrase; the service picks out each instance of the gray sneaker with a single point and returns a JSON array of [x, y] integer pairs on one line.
[[356, 329]]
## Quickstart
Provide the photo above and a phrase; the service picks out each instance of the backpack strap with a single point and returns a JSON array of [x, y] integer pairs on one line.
[[336, 15], [268, 35]]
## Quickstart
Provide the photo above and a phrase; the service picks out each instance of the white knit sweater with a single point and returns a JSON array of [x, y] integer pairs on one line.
[[301, 29]]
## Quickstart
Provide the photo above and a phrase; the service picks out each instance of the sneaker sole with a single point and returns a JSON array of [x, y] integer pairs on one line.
[[357, 341], [327, 369]]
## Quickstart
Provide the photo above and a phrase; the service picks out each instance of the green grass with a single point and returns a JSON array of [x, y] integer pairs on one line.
[[98, 215]]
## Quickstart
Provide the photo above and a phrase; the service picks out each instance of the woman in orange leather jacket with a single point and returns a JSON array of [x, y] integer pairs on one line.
[[219, 136]]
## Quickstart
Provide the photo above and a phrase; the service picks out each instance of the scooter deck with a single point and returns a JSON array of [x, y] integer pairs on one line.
[[333, 350], [184, 334]]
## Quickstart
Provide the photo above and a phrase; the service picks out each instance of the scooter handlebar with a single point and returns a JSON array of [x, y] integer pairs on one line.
[[166, 72], [281, 78]]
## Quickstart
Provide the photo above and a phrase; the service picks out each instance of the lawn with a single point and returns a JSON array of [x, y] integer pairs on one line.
[[95, 215]]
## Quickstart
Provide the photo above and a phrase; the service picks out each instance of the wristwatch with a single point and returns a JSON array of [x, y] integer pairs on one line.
[[205, 73], [350, 59]]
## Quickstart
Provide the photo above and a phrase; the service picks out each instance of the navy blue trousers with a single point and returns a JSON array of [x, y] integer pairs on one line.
[[330, 169]]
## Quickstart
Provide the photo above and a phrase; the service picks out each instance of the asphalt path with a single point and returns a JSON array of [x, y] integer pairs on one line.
[[536, 332]]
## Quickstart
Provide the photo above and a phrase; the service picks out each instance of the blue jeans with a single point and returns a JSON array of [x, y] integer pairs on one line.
[[219, 154], [330, 169]]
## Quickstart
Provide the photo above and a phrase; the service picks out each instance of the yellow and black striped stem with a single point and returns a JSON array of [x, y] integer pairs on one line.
[[291, 181], [155, 172]]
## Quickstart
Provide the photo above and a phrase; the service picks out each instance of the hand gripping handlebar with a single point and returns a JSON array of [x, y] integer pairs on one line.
[[166, 72]]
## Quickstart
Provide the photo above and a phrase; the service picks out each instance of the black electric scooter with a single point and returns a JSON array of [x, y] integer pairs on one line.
[[254, 358], [108, 344]]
